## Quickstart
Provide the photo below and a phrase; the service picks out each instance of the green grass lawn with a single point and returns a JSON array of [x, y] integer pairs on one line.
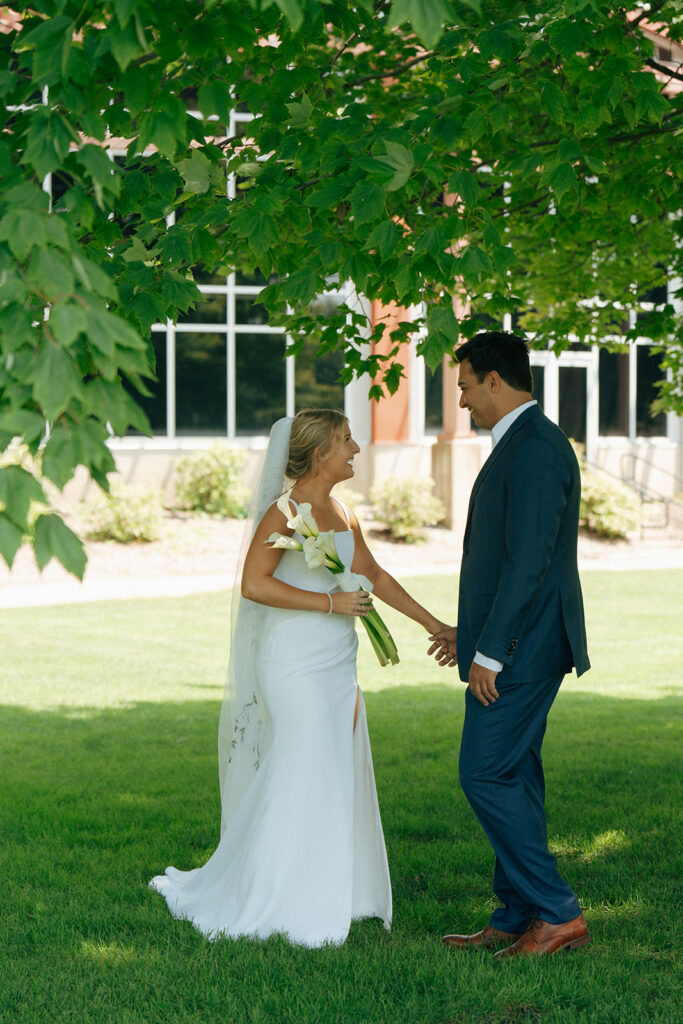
[[108, 769]]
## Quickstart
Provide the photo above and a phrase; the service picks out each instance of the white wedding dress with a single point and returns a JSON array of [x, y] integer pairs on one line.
[[303, 853]]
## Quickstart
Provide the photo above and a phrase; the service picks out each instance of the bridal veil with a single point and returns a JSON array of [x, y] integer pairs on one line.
[[243, 723]]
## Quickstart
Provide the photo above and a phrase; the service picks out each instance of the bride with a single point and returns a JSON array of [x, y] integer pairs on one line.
[[302, 850]]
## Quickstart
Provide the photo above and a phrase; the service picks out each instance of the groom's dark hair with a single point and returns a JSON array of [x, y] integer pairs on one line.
[[501, 351]]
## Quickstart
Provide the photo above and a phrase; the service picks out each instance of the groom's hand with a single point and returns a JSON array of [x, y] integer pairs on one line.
[[482, 683]]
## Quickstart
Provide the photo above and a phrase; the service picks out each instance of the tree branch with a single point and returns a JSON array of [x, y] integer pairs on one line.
[[393, 73], [647, 14], [664, 69], [344, 46]]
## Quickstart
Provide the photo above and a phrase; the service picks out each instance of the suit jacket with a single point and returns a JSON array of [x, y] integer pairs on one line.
[[520, 596]]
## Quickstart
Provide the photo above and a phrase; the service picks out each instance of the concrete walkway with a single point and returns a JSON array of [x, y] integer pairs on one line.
[[120, 588]]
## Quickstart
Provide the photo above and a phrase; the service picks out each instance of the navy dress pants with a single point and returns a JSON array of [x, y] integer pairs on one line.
[[501, 773]]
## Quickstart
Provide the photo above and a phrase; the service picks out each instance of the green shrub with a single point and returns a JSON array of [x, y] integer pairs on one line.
[[406, 505], [127, 513], [608, 508], [211, 481]]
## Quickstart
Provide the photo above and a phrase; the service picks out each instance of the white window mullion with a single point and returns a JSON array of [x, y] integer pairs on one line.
[[632, 381], [231, 360], [290, 383], [170, 380]]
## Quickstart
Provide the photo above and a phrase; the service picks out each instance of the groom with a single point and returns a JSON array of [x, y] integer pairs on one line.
[[520, 629]]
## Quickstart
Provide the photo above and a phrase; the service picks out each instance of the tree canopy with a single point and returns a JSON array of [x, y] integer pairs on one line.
[[524, 156]]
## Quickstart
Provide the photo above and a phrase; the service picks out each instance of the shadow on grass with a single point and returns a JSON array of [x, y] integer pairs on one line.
[[145, 776], [96, 800]]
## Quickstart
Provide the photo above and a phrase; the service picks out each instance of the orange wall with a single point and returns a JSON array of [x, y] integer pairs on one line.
[[391, 415]]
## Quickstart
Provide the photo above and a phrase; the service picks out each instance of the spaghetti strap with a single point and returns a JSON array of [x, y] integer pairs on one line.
[[345, 510]]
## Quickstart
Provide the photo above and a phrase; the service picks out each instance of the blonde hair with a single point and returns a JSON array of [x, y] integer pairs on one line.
[[312, 429]]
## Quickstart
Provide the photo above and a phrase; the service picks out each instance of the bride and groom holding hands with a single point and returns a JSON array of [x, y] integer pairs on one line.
[[302, 849]]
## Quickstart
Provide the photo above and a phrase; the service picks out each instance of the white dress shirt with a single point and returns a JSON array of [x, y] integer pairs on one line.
[[497, 432]]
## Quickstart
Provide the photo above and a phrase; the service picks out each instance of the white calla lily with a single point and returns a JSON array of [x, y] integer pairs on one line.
[[315, 554], [303, 522], [350, 581], [280, 541], [320, 551], [283, 504]]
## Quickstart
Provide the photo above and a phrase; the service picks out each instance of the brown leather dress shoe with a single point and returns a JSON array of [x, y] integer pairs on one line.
[[487, 938], [542, 938]]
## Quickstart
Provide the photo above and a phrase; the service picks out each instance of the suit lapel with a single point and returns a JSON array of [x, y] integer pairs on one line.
[[495, 455]]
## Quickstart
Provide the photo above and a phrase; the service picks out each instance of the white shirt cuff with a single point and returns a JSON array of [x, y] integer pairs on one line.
[[481, 659]]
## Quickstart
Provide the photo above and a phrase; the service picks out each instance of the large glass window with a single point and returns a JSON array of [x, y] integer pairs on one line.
[[434, 398], [212, 310], [648, 373], [260, 393], [154, 405], [317, 381], [573, 399], [613, 391], [201, 383]]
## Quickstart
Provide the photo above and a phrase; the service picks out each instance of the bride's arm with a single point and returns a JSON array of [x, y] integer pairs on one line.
[[386, 587], [259, 584]]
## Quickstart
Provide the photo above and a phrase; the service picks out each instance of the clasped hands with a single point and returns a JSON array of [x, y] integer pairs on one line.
[[482, 681]]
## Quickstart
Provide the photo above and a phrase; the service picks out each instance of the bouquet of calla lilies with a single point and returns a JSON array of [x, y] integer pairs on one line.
[[320, 549]]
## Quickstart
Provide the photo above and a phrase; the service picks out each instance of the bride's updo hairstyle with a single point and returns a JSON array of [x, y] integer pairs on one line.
[[312, 429]]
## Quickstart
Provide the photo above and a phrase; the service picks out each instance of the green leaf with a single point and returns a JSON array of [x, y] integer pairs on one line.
[[443, 327], [23, 423], [384, 239], [40, 151], [568, 36], [292, 12], [56, 380], [110, 402], [426, 16], [196, 172], [392, 377], [432, 241], [367, 202], [67, 320], [563, 179], [100, 168], [43, 36], [53, 539], [11, 539], [178, 291], [652, 105], [473, 263], [93, 278], [401, 160], [23, 229], [432, 348], [159, 129], [51, 274], [109, 332], [124, 9], [18, 490], [300, 113], [407, 283], [124, 42], [465, 184], [553, 102], [214, 98]]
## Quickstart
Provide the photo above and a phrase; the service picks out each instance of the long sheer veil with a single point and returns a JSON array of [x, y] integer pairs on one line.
[[243, 724]]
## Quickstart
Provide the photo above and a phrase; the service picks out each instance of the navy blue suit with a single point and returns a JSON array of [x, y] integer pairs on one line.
[[520, 602]]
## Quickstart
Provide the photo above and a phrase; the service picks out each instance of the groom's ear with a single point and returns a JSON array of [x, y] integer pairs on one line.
[[493, 381]]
